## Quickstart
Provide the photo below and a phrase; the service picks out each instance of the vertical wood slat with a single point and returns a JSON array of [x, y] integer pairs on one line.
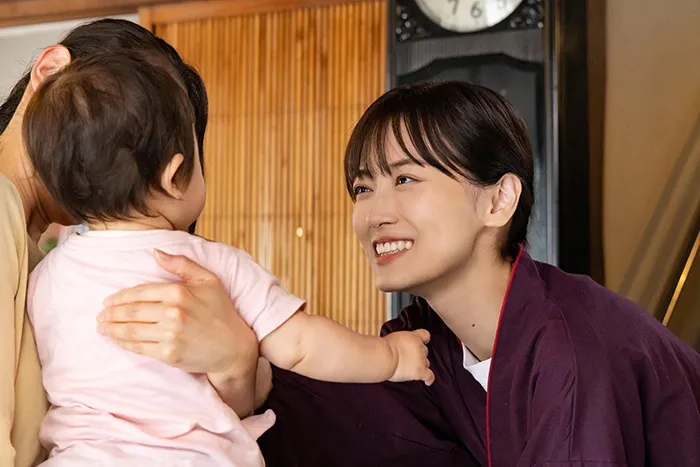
[[285, 89]]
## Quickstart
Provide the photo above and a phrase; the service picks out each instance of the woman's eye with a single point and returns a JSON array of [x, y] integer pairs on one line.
[[403, 180], [359, 189]]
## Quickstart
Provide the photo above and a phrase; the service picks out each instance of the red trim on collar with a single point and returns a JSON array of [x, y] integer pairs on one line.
[[495, 342]]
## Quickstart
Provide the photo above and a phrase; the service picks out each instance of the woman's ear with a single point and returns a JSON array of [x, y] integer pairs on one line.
[[51, 60], [505, 196], [167, 180]]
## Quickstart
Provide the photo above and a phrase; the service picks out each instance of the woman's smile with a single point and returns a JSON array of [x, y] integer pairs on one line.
[[388, 249]]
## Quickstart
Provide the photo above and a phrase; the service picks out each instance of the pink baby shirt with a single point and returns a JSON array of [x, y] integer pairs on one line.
[[111, 407]]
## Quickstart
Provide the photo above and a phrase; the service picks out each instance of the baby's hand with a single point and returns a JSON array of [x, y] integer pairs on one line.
[[411, 356]]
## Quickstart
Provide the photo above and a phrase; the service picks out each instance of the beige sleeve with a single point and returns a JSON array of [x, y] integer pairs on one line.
[[30, 402], [13, 264]]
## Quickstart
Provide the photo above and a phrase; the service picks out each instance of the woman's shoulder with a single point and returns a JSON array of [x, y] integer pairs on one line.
[[12, 222], [10, 201], [588, 307], [606, 331]]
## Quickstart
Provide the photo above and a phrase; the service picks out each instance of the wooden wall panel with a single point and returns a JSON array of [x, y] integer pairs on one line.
[[285, 89]]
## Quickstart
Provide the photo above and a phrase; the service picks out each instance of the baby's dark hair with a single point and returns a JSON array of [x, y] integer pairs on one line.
[[101, 131]]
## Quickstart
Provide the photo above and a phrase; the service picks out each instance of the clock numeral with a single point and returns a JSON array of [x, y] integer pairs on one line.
[[454, 10], [476, 10]]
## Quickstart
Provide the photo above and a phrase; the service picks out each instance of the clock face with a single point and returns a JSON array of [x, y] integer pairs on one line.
[[467, 15]]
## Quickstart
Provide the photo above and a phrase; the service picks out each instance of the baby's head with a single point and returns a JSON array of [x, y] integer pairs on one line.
[[112, 138]]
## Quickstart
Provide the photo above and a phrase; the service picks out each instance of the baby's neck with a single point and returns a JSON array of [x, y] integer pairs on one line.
[[136, 223]]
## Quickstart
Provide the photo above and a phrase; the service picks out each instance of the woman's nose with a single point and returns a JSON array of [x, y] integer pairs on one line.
[[382, 212]]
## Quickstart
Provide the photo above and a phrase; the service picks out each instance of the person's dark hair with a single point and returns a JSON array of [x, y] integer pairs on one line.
[[109, 36], [459, 128], [101, 131]]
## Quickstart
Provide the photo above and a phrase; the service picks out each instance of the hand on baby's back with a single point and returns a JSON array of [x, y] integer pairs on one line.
[[411, 354]]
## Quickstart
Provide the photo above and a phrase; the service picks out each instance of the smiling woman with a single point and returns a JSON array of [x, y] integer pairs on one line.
[[533, 366], [448, 168]]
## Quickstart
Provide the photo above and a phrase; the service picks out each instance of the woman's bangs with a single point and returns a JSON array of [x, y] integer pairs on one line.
[[416, 131]]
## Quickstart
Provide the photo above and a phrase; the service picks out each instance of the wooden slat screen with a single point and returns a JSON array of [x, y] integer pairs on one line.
[[285, 89]]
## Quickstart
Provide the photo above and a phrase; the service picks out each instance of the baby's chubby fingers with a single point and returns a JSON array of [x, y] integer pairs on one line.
[[428, 377], [423, 335]]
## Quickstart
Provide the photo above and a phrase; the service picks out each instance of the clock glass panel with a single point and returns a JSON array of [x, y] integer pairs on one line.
[[467, 15]]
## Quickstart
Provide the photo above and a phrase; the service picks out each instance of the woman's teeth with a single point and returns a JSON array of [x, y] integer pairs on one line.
[[392, 247]]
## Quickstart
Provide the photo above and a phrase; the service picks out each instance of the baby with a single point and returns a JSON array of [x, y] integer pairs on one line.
[[112, 139]]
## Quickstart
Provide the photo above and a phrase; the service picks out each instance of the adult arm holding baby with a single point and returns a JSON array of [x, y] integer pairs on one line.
[[191, 325]]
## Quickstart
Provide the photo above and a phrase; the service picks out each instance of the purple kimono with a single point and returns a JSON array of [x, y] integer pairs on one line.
[[579, 377]]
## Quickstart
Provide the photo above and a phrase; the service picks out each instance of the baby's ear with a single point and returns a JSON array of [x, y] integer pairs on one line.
[[167, 180], [51, 60]]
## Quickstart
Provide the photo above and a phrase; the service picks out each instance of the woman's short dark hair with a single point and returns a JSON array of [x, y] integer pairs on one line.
[[456, 127], [108, 36], [101, 131]]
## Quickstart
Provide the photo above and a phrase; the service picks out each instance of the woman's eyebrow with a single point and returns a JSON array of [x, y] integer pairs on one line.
[[366, 173], [402, 163]]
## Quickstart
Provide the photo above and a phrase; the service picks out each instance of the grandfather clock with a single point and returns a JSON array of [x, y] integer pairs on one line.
[[539, 54]]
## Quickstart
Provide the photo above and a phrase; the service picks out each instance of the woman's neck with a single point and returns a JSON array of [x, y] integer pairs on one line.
[[13, 165], [470, 301]]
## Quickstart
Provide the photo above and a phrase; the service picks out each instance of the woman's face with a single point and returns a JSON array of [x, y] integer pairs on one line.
[[417, 225]]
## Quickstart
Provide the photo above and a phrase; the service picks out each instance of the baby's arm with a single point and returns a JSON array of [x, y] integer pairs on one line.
[[314, 346], [322, 349]]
